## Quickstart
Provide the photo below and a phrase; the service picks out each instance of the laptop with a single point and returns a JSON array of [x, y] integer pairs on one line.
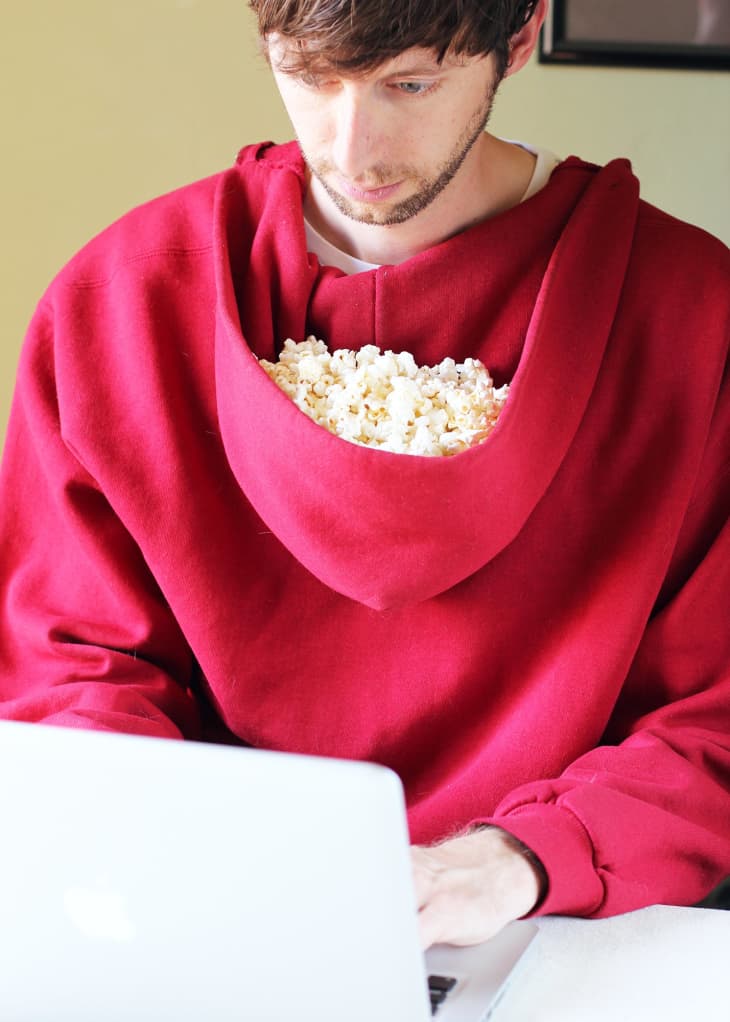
[[151, 879]]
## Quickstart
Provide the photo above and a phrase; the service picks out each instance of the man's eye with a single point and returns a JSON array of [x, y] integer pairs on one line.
[[413, 88]]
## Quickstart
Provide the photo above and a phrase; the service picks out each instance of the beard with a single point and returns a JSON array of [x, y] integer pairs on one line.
[[427, 187]]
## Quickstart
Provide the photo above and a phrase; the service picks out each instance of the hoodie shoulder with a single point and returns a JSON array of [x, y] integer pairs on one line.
[[178, 222]]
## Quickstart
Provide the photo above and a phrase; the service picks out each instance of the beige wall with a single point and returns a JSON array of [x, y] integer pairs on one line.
[[104, 104]]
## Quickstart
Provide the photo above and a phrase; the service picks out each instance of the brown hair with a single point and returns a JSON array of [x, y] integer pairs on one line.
[[357, 35]]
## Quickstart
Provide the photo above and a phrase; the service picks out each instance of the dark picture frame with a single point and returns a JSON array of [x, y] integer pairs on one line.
[[692, 34]]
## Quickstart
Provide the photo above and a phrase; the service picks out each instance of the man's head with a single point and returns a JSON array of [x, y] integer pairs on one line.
[[358, 35], [389, 103]]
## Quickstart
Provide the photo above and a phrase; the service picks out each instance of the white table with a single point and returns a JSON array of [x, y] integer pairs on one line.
[[658, 965]]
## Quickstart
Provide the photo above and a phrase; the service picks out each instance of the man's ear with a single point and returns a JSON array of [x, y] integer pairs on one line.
[[523, 43]]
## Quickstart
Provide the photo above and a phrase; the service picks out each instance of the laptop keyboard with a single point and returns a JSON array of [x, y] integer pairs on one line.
[[439, 988]]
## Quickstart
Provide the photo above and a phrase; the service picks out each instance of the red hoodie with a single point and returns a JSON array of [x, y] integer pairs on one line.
[[533, 632]]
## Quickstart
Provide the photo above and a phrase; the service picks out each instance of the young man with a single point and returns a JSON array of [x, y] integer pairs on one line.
[[532, 633]]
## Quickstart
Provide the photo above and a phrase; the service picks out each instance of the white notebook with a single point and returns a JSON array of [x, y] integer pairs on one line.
[[148, 879]]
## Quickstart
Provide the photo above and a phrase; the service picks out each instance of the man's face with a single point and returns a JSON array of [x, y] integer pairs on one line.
[[384, 145]]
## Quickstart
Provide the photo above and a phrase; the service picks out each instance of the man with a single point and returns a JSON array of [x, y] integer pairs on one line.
[[532, 633]]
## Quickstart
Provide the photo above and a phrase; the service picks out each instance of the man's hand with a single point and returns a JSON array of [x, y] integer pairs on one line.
[[469, 887]]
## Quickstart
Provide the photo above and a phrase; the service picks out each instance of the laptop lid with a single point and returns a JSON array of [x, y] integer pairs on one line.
[[145, 878]]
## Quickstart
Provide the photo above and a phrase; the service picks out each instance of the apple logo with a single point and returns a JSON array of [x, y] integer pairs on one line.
[[99, 912]]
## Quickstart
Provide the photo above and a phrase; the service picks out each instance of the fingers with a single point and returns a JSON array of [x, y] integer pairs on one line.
[[469, 887], [449, 921], [424, 868]]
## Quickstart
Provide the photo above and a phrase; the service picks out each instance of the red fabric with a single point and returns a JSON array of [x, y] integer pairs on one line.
[[532, 633]]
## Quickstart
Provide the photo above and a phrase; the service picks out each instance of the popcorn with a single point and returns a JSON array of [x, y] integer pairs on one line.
[[385, 400]]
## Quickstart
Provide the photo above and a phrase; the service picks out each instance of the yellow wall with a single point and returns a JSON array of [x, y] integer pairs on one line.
[[104, 104]]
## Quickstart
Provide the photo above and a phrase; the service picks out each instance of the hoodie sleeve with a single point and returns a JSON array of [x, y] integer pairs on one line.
[[645, 817], [86, 638]]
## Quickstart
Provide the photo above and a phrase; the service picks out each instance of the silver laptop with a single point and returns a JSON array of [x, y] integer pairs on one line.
[[146, 879]]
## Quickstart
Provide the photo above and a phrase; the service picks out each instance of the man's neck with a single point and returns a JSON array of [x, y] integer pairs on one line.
[[492, 179]]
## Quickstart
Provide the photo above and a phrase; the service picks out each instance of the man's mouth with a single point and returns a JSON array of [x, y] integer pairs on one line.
[[360, 194]]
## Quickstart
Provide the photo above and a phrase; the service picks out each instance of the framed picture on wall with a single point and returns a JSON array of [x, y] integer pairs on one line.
[[639, 33]]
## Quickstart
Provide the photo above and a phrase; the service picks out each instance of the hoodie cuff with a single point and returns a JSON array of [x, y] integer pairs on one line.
[[562, 845]]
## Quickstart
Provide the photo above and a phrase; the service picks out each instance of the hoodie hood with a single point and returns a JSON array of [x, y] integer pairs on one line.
[[389, 529]]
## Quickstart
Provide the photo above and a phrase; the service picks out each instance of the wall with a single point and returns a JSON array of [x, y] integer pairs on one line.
[[104, 105], [673, 125]]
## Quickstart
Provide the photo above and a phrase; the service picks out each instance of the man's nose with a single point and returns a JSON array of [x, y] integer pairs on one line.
[[355, 133]]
